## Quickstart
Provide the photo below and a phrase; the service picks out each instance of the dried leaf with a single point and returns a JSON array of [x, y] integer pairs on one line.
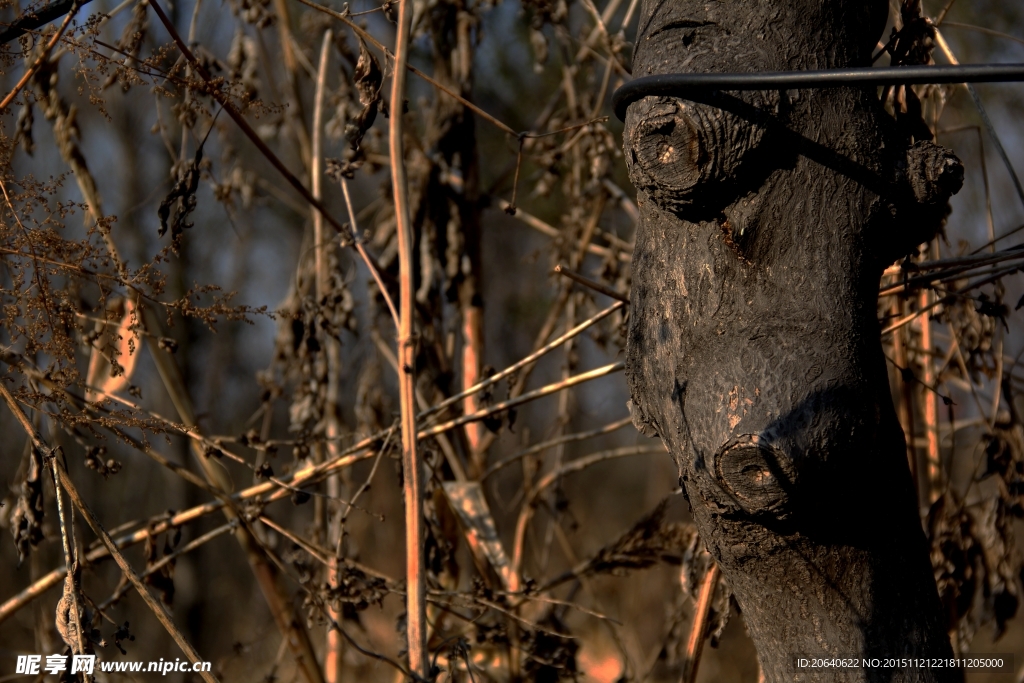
[[64, 621], [27, 517], [163, 578], [650, 541], [368, 79], [181, 199]]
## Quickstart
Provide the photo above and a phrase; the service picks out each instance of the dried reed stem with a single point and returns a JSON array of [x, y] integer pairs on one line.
[[931, 413], [699, 627], [315, 170], [335, 643], [533, 395], [531, 358], [412, 486]]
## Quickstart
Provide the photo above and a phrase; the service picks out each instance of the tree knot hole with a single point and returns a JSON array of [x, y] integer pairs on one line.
[[756, 475]]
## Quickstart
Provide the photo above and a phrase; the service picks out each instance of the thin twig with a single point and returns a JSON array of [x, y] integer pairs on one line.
[[155, 605], [592, 284], [982, 29], [940, 40], [531, 396], [23, 81], [358, 452], [544, 445], [366, 36], [354, 227], [171, 557], [526, 512], [515, 367], [622, 253], [949, 298]]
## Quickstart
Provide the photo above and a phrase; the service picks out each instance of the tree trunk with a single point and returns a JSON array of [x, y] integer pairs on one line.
[[753, 351]]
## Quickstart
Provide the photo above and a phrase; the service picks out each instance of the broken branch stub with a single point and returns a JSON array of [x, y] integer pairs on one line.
[[766, 220]]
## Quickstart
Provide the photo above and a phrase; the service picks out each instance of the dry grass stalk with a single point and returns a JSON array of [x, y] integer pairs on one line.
[[412, 485], [698, 628], [335, 643], [931, 414]]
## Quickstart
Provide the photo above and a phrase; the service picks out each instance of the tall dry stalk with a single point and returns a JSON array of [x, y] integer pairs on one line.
[[412, 484]]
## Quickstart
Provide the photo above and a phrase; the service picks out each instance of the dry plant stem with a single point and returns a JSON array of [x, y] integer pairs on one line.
[[950, 297], [61, 115], [533, 395], [452, 458], [366, 257], [70, 562], [940, 40], [905, 407], [533, 357], [69, 581], [998, 383], [931, 424], [551, 231], [23, 81], [161, 524], [294, 110], [335, 643], [412, 485], [592, 284], [695, 641], [171, 557], [65, 482], [983, 29], [544, 445], [315, 172], [949, 272]]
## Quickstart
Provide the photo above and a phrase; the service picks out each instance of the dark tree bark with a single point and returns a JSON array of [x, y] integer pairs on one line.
[[766, 221]]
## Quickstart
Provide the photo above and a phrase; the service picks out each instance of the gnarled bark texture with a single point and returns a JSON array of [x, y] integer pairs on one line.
[[766, 220]]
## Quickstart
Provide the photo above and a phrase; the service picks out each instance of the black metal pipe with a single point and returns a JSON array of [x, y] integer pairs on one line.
[[30, 21], [680, 85]]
